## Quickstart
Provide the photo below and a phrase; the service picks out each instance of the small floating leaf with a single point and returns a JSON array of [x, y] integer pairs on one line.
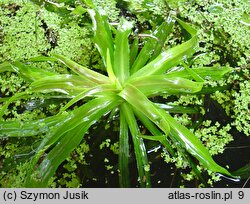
[[215, 8]]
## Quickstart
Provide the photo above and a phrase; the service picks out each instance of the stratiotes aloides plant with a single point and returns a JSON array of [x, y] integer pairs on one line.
[[133, 77]]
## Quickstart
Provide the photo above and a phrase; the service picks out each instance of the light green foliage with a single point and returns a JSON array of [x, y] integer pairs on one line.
[[108, 166], [211, 181], [184, 119], [115, 148], [8, 150], [221, 26], [23, 37], [11, 177], [241, 108], [79, 47], [149, 13], [188, 100], [126, 88], [147, 167], [105, 143], [155, 7], [26, 115], [11, 83], [224, 99], [70, 179], [188, 177], [30, 32], [71, 39], [224, 40], [108, 7], [236, 103], [80, 152], [214, 137], [178, 160], [214, 178], [15, 177]]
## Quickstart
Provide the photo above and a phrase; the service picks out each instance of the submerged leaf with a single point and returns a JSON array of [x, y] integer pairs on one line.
[[243, 172]]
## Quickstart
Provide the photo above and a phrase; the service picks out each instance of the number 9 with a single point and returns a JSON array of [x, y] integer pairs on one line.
[[241, 194]]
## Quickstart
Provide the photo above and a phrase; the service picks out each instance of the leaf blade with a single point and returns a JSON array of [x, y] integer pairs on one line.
[[63, 83], [171, 57], [154, 44], [82, 71], [193, 145], [30, 73], [159, 84], [139, 147], [122, 51], [123, 161], [29, 128], [102, 34], [214, 73]]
